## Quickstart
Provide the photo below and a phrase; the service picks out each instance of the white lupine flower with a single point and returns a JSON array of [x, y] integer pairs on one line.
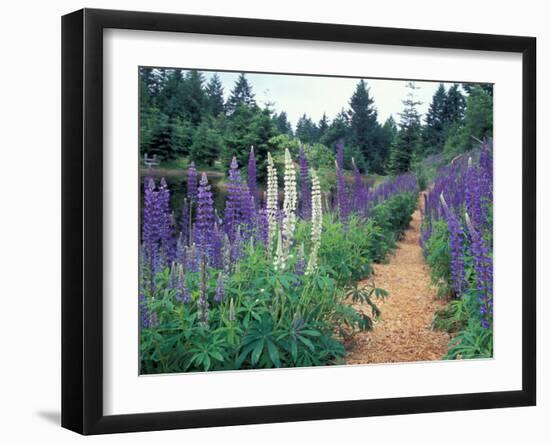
[[316, 222], [271, 203], [291, 197], [280, 259]]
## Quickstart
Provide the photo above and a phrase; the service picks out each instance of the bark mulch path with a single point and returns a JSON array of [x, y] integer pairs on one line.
[[403, 332]]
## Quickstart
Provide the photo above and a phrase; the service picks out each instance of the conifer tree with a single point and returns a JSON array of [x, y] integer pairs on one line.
[[408, 140], [195, 99], [322, 126], [214, 92], [363, 128], [206, 143], [306, 130], [241, 95], [454, 106], [337, 130], [435, 131], [282, 124]]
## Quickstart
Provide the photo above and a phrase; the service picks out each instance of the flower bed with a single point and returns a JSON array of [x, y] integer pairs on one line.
[[262, 285]]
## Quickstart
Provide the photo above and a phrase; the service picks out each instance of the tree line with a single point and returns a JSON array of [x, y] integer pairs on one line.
[[183, 115]]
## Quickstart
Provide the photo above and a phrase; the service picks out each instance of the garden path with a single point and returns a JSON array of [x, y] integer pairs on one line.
[[403, 332]]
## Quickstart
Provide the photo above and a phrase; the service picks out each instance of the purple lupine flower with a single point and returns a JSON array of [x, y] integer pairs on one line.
[[484, 272], [248, 214], [456, 248], [360, 193], [220, 291], [252, 185], [234, 200], [181, 250], [235, 250], [472, 195], [157, 266], [151, 223], [305, 185], [167, 230], [341, 191], [486, 177], [185, 222], [191, 259], [186, 294], [217, 247], [263, 227], [340, 153], [192, 183], [148, 318], [205, 218]]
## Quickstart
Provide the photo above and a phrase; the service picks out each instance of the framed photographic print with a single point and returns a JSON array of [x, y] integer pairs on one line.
[[269, 221]]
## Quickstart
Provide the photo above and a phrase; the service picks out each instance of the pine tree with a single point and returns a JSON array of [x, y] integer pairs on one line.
[[249, 127], [408, 140], [322, 126], [477, 123], [206, 143], [306, 130], [172, 94], [282, 124], [435, 131], [337, 130], [152, 78], [214, 92], [194, 99], [161, 138], [454, 106], [241, 95], [363, 127], [487, 87], [386, 136]]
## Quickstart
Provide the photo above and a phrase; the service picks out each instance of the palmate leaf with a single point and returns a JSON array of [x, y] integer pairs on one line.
[[273, 353]]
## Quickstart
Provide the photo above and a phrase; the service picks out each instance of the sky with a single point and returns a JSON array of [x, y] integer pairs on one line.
[[314, 96]]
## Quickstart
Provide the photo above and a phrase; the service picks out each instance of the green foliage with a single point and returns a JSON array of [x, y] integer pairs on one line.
[[320, 157], [435, 131], [206, 143], [476, 125], [214, 92], [306, 130], [180, 111], [453, 317], [241, 95], [394, 215], [283, 124], [364, 129], [439, 258], [345, 251], [337, 130], [460, 316], [408, 141], [249, 126], [272, 317], [472, 342]]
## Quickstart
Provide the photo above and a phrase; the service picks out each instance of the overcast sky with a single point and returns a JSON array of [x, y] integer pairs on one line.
[[314, 95]]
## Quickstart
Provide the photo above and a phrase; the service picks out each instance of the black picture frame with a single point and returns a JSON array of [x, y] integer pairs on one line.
[[82, 218]]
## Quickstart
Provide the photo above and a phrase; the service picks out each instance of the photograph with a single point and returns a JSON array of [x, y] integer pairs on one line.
[[291, 220]]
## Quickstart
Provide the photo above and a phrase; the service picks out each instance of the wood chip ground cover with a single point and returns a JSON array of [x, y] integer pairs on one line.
[[404, 330]]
